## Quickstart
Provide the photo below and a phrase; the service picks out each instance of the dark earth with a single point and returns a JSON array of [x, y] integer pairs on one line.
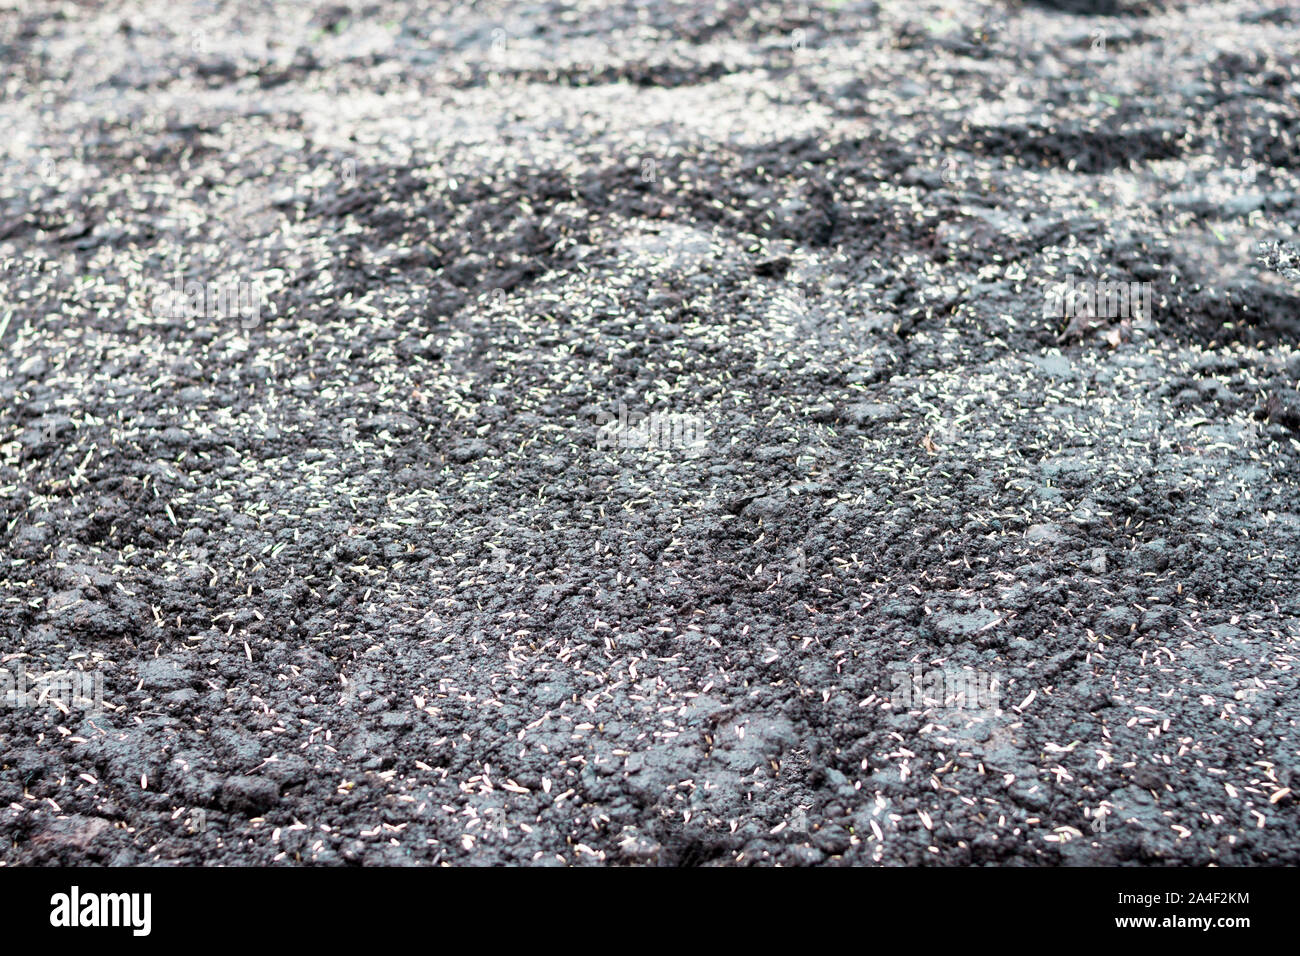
[[365, 580]]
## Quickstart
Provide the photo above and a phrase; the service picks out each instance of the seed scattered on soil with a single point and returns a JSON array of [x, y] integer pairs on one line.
[[640, 433]]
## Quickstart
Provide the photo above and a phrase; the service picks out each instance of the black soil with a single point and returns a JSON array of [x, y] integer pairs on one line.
[[364, 585]]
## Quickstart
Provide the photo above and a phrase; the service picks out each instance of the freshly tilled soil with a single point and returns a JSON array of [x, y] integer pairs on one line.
[[369, 577]]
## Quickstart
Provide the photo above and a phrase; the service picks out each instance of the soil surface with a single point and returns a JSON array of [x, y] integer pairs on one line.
[[373, 565]]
